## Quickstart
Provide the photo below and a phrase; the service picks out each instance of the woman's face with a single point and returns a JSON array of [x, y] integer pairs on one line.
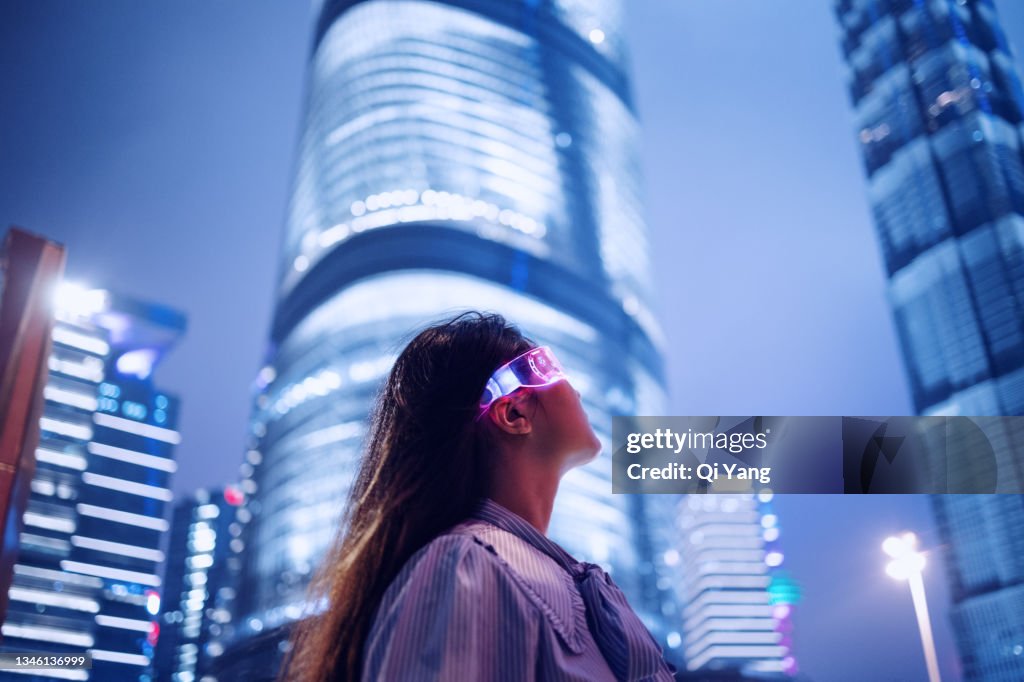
[[563, 426]]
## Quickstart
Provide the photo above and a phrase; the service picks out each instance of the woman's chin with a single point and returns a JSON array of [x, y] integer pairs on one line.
[[581, 457]]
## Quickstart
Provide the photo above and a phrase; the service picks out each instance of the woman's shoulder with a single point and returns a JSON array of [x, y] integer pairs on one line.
[[515, 553], [449, 550], [470, 562], [544, 583], [452, 571], [444, 564], [477, 545]]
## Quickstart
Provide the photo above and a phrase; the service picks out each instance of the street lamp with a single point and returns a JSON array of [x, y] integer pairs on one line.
[[907, 564]]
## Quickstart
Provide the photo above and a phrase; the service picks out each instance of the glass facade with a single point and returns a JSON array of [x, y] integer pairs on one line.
[[739, 601], [197, 583], [454, 155], [984, 558], [86, 575], [940, 113]]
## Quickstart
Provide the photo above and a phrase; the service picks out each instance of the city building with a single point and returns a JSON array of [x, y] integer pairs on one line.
[[739, 601], [939, 110], [197, 583], [86, 574], [454, 155], [984, 561]]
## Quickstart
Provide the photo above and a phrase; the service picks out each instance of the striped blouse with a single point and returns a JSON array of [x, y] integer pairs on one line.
[[493, 599]]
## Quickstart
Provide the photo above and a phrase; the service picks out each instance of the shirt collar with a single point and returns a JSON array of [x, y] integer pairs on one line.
[[490, 511], [624, 641]]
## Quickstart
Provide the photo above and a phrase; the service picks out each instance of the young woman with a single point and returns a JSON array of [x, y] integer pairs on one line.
[[443, 570]]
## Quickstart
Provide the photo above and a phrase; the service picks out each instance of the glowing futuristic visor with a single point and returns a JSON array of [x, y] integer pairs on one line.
[[536, 367]]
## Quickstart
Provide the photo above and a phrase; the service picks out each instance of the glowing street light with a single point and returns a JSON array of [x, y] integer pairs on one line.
[[907, 564]]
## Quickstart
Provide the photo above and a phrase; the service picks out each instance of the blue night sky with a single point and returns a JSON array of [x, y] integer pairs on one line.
[[156, 141]]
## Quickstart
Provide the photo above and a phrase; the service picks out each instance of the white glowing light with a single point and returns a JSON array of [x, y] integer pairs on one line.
[[119, 516], [138, 363], [56, 523], [50, 574], [76, 299], [64, 428], [208, 511], [108, 572], [77, 340], [733, 652], [907, 564], [90, 368], [43, 487], [144, 430], [47, 634], [61, 459], [200, 561], [132, 457], [333, 235], [118, 548], [130, 487], [64, 601], [118, 657], [124, 623], [596, 36], [72, 398], [906, 560]]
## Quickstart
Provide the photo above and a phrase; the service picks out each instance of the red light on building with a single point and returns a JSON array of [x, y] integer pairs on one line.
[[233, 496], [154, 633]]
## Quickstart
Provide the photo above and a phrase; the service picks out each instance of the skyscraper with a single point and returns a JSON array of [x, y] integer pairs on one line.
[[454, 155], [738, 602], [939, 110], [86, 577], [984, 558], [197, 583]]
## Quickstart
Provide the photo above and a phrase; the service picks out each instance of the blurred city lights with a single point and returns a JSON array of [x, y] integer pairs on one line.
[[76, 299]]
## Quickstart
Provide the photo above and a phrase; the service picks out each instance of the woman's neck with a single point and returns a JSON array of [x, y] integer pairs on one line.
[[528, 493]]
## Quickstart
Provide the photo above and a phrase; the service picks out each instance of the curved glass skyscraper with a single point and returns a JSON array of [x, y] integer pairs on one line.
[[940, 112], [464, 154]]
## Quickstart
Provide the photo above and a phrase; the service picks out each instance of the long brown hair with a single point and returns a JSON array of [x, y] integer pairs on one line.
[[423, 470]]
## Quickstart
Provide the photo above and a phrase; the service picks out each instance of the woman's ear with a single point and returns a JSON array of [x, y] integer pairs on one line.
[[509, 415]]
